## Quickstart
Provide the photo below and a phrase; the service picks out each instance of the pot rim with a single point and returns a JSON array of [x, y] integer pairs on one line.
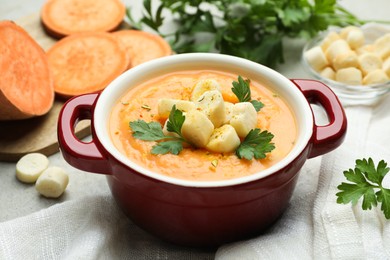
[[133, 77]]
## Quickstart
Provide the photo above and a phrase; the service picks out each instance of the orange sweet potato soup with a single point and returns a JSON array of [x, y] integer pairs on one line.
[[197, 163]]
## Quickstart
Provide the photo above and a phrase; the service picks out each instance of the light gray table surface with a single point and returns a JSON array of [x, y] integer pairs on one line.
[[17, 199]]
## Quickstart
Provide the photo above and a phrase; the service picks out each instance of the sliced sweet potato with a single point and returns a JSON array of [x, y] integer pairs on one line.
[[65, 17], [142, 46], [26, 84], [86, 62]]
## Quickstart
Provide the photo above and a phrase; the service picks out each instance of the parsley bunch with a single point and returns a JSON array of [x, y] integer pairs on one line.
[[251, 29], [366, 182]]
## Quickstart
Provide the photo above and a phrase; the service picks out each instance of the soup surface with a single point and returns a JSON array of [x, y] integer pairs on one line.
[[141, 101]]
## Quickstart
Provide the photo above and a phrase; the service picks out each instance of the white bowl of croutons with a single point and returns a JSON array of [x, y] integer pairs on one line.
[[353, 61]]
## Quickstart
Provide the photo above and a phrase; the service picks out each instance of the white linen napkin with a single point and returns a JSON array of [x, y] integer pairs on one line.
[[313, 227], [89, 228]]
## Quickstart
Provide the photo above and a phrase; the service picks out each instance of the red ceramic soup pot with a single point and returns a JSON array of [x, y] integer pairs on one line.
[[196, 213]]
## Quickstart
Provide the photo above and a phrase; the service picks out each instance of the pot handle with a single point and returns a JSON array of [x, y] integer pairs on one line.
[[82, 155], [328, 137]]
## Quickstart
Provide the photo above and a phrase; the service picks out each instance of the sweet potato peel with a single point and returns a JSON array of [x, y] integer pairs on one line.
[[86, 62], [65, 17], [26, 84], [142, 46]]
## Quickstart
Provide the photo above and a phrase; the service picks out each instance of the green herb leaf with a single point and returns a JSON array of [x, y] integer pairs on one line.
[[175, 121], [372, 174], [174, 147], [256, 144], [241, 89], [153, 20], [365, 180], [353, 192], [147, 131], [383, 197], [257, 104]]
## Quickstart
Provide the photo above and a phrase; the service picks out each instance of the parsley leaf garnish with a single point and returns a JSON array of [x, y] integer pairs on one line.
[[366, 181], [256, 144], [175, 121], [257, 104], [152, 131], [147, 131], [174, 147], [242, 90]]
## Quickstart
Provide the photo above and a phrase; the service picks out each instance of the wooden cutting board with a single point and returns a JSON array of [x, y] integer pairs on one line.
[[39, 134]]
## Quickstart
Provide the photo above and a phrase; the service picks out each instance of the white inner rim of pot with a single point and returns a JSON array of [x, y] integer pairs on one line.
[[197, 61]]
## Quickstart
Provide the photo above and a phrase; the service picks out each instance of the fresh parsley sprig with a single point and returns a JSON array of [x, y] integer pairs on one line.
[[256, 144], [175, 121], [242, 90], [366, 181], [152, 131]]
